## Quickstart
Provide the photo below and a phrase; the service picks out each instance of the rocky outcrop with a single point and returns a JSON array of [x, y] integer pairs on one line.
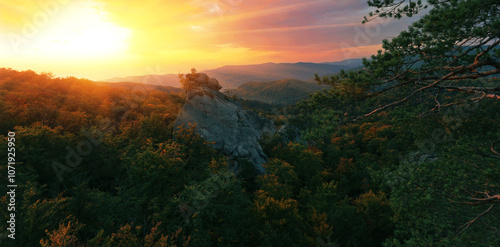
[[234, 131], [198, 80]]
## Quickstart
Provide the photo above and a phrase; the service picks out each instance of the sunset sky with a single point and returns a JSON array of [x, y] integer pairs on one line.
[[100, 39]]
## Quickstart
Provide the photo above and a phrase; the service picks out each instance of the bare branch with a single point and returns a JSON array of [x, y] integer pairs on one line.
[[497, 156], [487, 200], [492, 148], [387, 89], [438, 104], [386, 106], [465, 226]]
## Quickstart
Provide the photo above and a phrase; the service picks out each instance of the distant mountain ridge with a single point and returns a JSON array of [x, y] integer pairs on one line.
[[354, 62], [232, 76]]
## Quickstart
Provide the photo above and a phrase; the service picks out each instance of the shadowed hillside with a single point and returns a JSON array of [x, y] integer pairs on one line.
[[282, 92], [232, 76]]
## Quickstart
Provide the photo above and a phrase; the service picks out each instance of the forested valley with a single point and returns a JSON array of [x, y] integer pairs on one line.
[[97, 166]]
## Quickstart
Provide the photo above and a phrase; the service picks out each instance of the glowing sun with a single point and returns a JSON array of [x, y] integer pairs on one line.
[[82, 32]]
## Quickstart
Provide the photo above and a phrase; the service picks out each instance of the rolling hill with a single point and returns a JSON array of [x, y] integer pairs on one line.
[[232, 76], [282, 92]]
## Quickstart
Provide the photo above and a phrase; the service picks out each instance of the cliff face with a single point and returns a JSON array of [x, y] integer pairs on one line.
[[235, 131]]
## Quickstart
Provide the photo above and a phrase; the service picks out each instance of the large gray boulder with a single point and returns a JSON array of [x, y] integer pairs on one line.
[[234, 131]]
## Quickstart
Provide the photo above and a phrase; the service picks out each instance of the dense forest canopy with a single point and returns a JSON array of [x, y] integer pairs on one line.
[[97, 164]]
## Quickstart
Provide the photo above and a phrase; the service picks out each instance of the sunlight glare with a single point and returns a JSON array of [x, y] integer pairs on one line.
[[83, 32]]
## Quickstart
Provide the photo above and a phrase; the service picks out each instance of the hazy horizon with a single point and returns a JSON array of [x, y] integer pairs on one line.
[[99, 39]]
